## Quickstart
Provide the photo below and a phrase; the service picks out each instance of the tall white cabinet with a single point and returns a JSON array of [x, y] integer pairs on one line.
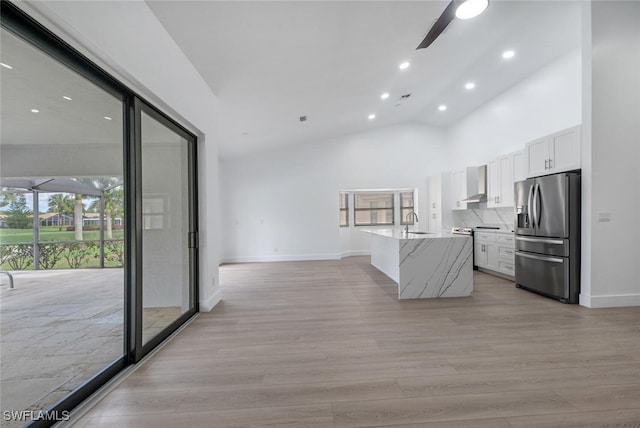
[[440, 189], [502, 172]]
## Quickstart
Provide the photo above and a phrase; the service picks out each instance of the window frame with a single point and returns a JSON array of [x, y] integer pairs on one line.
[[403, 220], [344, 195], [372, 192]]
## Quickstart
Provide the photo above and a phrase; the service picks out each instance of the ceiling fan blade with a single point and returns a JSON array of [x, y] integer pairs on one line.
[[439, 26]]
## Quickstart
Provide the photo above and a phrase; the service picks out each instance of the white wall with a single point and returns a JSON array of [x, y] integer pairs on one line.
[[549, 100], [128, 41], [613, 176], [288, 199]]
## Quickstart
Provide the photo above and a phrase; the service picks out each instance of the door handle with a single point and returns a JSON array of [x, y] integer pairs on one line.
[[541, 258], [540, 240], [546, 161], [534, 207], [529, 206], [538, 205], [550, 163]]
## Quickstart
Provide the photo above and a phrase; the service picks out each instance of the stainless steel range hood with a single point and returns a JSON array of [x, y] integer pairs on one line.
[[478, 194]]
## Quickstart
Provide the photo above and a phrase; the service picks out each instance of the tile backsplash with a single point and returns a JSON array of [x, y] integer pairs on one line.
[[496, 217]]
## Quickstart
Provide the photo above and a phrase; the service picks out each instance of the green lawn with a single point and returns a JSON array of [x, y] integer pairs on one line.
[[51, 233], [87, 254]]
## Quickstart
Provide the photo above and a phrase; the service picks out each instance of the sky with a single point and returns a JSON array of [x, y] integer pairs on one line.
[[43, 201]]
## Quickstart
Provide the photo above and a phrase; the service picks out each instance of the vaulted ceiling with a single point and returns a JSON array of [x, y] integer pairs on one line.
[[271, 62]]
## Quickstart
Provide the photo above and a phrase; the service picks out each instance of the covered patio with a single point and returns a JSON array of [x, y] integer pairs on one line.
[[59, 328]]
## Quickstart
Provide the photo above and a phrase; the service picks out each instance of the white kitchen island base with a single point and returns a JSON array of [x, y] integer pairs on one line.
[[424, 266]]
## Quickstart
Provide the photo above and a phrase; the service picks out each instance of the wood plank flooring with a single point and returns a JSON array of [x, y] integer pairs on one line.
[[328, 344]]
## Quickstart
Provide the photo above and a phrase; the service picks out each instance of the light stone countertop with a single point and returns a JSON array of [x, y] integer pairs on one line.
[[398, 233]]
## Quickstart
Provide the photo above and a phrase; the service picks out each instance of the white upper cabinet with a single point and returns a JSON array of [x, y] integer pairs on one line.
[[505, 198], [519, 166], [555, 153], [459, 189], [501, 174], [493, 182]]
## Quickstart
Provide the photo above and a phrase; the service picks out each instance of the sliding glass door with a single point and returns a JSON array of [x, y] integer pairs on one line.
[[98, 225], [168, 224]]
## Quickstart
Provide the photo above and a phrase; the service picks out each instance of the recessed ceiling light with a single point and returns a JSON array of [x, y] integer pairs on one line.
[[372, 116], [471, 8], [469, 85], [442, 107], [35, 110], [405, 65], [245, 133], [6, 65], [108, 118], [384, 96], [508, 54], [66, 98]]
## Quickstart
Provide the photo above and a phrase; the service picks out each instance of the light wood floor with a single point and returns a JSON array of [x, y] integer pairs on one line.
[[328, 344]]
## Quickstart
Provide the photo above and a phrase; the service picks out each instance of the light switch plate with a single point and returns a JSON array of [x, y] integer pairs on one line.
[[604, 217]]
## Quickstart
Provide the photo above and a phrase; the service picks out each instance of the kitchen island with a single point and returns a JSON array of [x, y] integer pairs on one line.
[[425, 265]]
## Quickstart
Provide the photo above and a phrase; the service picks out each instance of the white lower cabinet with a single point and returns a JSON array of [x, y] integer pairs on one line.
[[495, 251]]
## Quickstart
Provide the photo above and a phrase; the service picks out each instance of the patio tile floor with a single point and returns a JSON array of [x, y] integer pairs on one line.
[[59, 328]]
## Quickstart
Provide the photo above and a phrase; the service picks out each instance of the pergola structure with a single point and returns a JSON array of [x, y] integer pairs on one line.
[[57, 185]]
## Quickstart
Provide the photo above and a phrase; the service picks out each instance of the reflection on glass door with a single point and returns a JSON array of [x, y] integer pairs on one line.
[[61, 230], [166, 227]]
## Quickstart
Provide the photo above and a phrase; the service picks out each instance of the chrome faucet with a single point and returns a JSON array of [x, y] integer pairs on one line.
[[415, 216]]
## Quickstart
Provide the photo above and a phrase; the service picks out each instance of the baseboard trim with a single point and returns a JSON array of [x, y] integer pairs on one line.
[[497, 273], [207, 305], [609, 301], [355, 253], [285, 258]]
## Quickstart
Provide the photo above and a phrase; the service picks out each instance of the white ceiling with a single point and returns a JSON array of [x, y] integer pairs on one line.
[[271, 62]]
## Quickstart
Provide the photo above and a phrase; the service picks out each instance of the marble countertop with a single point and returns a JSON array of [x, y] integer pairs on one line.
[[398, 233]]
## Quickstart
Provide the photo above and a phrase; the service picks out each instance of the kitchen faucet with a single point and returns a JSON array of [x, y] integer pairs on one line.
[[415, 216]]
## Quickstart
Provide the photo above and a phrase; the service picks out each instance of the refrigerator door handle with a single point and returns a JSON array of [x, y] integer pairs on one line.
[[536, 205], [542, 258], [529, 206], [540, 240]]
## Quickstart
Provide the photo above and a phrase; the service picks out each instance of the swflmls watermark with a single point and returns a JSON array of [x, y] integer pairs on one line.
[[32, 415]]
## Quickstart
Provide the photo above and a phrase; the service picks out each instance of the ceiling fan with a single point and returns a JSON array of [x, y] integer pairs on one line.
[[461, 9]]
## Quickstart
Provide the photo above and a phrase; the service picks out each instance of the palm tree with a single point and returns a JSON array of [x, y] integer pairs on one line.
[[113, 206], [60, 203]]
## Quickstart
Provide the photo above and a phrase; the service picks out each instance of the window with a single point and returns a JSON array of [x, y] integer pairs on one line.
[[344, 209], [372, 209], [406, 207]]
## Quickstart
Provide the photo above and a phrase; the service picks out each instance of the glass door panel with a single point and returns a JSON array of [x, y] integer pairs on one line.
[[61, 163], [166, 279]]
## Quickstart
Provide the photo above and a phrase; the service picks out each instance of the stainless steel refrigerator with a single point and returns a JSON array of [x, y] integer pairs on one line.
[[547, 228]]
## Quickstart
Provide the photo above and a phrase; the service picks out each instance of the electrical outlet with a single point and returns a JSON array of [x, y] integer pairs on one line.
[[604, 217]]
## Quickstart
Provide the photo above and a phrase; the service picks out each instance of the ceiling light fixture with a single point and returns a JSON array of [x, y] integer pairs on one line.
[[384, 96], [442, 107], [405, 65], [66, 98], [508, 54], [108, 118], [471, 8], [372, 116], [6, 65], [35, 110], [469, 85]]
